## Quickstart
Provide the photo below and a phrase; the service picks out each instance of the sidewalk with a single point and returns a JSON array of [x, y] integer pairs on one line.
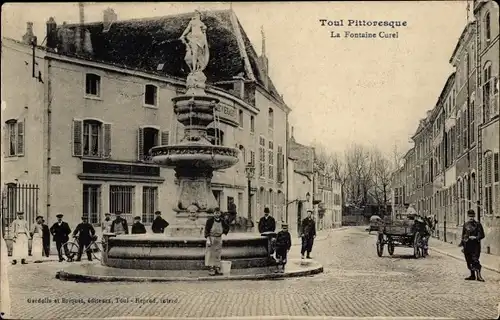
[[488, 261]]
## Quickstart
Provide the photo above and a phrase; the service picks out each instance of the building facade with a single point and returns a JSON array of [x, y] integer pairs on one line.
[[456, 147], [80, 121]]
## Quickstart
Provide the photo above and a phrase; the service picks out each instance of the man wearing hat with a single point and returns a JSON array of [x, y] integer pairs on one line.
[[21, 236], [267, 222], [308, 234], [60, 230], [472, 234], [85, 233], [283, 245], [119, 225], [106, 223], [159, 224], [138, 227]]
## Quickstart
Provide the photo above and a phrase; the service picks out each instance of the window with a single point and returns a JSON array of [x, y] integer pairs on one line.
[[92, 85], [458, 136], [271, 118], [487, 86], [271, 160], [472, 133], [149, 203], [252, 124], [488, 185], [151, 95], [14, 138], [92, 202], [91, 138], [147, 138], [262, 157], [464, 130], [121, 198], [281, 165], [240, 118], [252, 157], [215, 136], [487, 28]]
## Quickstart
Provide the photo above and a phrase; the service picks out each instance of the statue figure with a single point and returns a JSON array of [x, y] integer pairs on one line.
[[197, 54]]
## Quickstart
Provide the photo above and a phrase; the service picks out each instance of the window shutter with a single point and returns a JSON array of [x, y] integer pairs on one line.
[[140, 144], [106, 146], [165, 138], [20, 138], [77, 138], [495, 167]]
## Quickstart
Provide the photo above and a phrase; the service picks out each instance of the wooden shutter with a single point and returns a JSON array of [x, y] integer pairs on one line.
[[106, 146], [140, 144], [165, 138], [20, 138], [77, 138]]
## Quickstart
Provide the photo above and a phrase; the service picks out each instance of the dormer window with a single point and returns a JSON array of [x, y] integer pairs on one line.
[[92, 85], [151, 95]]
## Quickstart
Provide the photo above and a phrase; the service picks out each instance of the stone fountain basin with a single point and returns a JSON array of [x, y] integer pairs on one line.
[[211, 156], [160, 252]]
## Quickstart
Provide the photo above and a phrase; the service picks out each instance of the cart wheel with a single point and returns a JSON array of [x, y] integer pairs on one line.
[[380, 245], [390, 247], [417, 251]]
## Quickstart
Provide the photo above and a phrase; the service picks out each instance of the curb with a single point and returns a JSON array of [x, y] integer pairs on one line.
[[67, 276], [462, 259]]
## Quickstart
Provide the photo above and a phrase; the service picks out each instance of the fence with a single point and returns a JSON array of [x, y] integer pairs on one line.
[[17, 198]]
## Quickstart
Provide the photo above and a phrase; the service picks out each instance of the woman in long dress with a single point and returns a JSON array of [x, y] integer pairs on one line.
[[21, 236], [37, 243], [197, 54], [214, 229]]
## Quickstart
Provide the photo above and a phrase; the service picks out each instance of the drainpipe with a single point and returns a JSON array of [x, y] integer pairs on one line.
[[286, 166], [49, 136]]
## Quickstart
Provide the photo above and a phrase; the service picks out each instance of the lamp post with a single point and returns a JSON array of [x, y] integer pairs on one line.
[[250, 172]]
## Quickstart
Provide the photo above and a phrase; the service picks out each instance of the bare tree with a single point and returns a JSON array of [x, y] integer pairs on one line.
[[382, 172]]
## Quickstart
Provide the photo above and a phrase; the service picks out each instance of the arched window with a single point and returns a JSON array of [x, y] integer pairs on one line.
[[91, 138], [149, 137], [487, 89], [215, 136], [487, 27]]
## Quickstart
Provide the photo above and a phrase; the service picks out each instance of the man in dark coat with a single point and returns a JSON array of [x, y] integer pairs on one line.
[[119, 225], [308, 234], [86, 233], [231, 211], [472, 234], [45, 238], [267, 222], [283, 245], [138, 227], [159, 224], [60, 231]]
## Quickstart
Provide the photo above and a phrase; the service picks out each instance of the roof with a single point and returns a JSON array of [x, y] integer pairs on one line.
[[461, 39], [145, 43]]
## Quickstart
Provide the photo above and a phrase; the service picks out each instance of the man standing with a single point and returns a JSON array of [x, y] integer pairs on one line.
[[308, 234], [119, 225], [138, 227], [21, 236], [106, 224], [85, 233], [472, 234], [159, 224], [46, 238], [231, 210], [60, 231], [267, 222]]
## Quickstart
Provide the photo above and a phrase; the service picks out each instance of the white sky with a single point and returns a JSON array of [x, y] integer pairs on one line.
[[342, 91]]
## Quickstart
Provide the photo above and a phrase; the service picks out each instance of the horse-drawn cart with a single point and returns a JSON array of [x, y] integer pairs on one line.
[[400, 233]]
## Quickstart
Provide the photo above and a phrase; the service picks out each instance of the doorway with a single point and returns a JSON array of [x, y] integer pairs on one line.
[[299, 216]]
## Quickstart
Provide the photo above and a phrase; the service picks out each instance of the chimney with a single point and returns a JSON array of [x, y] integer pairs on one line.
[[28, 36], [51, 33], [87, 43], [79, 36], [108, 17], [264, 61]]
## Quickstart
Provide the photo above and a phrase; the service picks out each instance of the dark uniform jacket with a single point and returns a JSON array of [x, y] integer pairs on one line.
[[472, 228], [138, 228], [60, 232], [308, 227], [267, 224], [45, 235], [210, 223], [85, 232], [159, 225], [283, 240], [119, 220]]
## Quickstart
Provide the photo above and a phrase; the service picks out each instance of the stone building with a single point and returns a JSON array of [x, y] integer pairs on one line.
[[80, 120]]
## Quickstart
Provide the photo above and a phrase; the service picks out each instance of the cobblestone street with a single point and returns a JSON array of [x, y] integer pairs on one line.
[[356, 283]]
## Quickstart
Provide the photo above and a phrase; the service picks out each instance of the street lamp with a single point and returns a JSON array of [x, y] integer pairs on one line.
[[250, 172]]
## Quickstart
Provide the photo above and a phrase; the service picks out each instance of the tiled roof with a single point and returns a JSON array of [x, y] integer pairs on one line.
[[145, 43]]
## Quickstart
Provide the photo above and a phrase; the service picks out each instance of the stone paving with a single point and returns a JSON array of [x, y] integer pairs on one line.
[[355, 283]]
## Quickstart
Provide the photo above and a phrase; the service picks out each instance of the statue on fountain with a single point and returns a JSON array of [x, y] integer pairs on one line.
[[197, 53]]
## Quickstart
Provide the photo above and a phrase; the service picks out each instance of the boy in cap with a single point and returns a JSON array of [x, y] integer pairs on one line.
[[138, 227], [86, 234], [106, 224], [119, 225], [283, 245], [472, 234], [20, 239], [60, 231]]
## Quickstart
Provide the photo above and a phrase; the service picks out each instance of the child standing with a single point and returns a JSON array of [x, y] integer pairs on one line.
[[138, 227], [283, 244]]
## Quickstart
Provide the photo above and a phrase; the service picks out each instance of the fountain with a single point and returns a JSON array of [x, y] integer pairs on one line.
[[182, 250]]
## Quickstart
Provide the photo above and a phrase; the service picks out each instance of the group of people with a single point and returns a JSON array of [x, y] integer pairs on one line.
[[120, 226]]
